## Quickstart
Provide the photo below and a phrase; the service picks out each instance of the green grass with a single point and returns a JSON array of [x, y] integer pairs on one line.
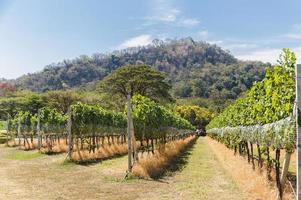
[[2, 125], [112, 162], [23, 155], [67, 163], [201, 177]]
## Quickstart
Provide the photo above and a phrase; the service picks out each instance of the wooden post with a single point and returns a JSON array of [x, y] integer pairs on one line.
[[298, 108], [129, 115], [135, 156], [70, 145], [286, 164], [7, 129], [19, 131], [39, 131]]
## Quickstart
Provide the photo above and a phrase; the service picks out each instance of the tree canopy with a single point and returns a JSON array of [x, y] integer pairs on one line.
[[196, 115], [136, 79]]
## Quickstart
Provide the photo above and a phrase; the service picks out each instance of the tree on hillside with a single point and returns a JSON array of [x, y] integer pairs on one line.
[[136, 79], [6, 88]]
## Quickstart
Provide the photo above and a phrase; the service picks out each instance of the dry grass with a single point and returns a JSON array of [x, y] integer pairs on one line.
[[104, 152], [154, 165], [251, 181], [55, 147], [31, 146], [12, 143], [44, 177]]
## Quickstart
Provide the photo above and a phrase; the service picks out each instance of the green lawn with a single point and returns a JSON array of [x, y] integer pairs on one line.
[[23, 155]]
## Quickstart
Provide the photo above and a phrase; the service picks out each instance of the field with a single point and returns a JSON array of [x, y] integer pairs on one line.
[[200, 174]]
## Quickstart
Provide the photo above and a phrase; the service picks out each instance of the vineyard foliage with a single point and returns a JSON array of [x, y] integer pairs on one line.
[[91, 119], [278, 135], [149, 118], [52, 121], [153, 120], [26, 120], [268, 102]]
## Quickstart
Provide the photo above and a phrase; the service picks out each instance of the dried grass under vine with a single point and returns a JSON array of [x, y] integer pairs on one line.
[[104, 152], [155, 165], [249, 180]]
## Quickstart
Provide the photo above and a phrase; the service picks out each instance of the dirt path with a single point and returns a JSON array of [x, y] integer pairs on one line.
[[28, 175]]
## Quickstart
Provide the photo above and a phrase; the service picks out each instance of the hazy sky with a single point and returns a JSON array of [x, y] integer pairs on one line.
[[34, 33]]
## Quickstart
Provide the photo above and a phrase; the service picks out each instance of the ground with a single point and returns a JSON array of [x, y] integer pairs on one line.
[[30, 175]]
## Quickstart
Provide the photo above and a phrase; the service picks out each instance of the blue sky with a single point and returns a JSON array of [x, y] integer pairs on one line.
[[34, 33]]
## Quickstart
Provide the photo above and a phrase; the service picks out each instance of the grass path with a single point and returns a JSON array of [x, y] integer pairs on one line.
[[29, 175]]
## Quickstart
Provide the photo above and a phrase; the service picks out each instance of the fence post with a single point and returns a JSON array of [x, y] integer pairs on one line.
[[286, 163], [39, 131], [298, 107], [135, 156], [70, 144], [19, 132], [129, 132], [7, 129]]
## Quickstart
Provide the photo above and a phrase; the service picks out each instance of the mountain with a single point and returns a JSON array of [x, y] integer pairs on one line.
[[194, 69]]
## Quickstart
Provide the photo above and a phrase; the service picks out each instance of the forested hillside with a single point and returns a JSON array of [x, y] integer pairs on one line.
[[194, 69]]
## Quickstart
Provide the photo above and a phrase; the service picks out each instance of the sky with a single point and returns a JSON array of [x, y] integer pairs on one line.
[[35, 33]]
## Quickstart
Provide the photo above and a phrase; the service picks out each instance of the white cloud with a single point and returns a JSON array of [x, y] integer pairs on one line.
[[268, 55], [189, 22], [169, 16], [164, 11], [141, 40], [265, 55], [217, 42], [162, 15], [240, 46]]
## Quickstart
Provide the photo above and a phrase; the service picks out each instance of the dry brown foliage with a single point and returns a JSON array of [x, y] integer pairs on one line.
[[252, 181], [104, 152], [153, 165]]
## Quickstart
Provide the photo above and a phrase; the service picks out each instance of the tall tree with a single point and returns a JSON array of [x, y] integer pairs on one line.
[[60, 99], [136, 79]]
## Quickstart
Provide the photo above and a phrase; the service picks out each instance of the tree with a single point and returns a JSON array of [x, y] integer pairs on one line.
[[23, 100], [6, 88], [183, 89], [136, 79], [196, 115], [61, 100]]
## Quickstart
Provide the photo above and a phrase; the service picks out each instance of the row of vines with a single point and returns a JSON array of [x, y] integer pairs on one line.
[[263, 118], [89, 132]]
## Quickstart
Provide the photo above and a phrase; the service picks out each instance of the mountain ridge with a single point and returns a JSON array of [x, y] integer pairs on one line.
[[193, 68]]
